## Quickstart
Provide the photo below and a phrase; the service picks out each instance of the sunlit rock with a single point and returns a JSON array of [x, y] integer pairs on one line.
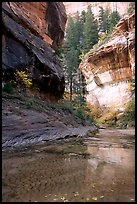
[[72, 8], [109, 69]]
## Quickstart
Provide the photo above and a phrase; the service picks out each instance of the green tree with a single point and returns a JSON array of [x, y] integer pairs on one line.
[[114, 18], [107, 20], [104, 20], [81, 35], [71, 51], [78, 30], [90, 30], [131, 8], [70, 37], [72, 65], [101, 19], [82, 19]]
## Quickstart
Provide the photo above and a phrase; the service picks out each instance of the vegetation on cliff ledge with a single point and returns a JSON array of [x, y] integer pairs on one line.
[[74, 113], [82, 34]]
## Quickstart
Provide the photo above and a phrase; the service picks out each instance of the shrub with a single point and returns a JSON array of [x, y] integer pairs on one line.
[[67, 106], [8, 88], [79, 113], [130, 111], [23, 80]]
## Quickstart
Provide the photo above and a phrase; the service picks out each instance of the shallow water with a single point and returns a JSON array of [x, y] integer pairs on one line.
[[91, 169]]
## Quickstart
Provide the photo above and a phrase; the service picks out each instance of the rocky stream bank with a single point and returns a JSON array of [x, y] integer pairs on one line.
[[49, 156], [28, 121]]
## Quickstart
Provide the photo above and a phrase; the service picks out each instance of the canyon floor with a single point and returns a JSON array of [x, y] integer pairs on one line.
[[48, 159], [99, 168]]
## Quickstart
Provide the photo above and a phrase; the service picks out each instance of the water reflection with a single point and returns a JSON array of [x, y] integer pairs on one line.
[[119, 156], [107, 173]]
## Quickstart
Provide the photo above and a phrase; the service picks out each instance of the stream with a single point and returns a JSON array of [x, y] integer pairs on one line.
[[98, 168]]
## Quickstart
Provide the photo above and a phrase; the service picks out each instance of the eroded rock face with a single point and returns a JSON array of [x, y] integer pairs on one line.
[[30, 29], [109, 69], [72, 8]]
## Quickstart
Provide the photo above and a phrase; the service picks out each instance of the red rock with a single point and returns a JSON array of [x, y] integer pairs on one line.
[[114, 65], [29, 30]]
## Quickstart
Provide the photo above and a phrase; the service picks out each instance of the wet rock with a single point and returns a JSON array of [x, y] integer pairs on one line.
[[102, 127]]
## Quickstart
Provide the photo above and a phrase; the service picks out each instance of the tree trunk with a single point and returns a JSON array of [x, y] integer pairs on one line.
[[70, 88], [83, 86]]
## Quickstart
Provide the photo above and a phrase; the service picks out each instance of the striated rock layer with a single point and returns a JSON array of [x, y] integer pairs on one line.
[[73, 7], [109, 69], [30, 30]]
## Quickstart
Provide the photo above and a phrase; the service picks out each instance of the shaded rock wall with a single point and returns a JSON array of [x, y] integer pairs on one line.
[[109, 69], [29, 30]]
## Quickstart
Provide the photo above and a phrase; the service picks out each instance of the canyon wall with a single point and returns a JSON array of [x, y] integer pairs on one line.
[[109, 69], [29, 32], [73, 7]]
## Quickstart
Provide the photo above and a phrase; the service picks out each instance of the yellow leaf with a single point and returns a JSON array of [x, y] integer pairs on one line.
[[94, 198], [63, 198], [76, 194], [87, 199]]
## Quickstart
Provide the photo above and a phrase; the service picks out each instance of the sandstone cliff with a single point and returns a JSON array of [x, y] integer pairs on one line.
[[29, 31], [109, 69], [73, 7]]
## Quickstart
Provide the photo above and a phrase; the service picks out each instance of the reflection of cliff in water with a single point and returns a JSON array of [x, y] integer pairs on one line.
[[111, 164], [120, 156], [100, 168]]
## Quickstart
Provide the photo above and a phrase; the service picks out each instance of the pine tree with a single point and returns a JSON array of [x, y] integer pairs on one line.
[[101, 19], [72, 65], [104, 20], [71, 51], [131, 8], [70, 37], [81, 36], [78, 29], [107, 20], [82, 21], [90, 30], [114, 18]]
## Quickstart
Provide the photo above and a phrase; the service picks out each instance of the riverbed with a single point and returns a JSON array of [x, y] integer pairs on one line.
[[96, 168]]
